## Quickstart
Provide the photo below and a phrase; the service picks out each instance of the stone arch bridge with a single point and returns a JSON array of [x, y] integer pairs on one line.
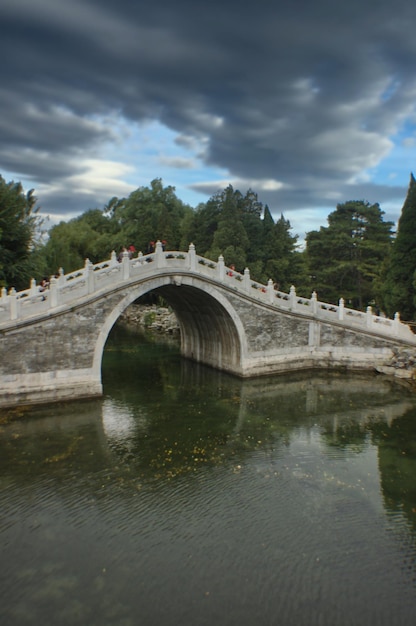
[[51, 342]]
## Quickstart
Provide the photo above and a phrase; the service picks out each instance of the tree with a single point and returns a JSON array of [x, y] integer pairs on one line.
[[278, 250], [230, 239], [243, 230], [201, 226], [399, 289], [345, 257], [149, 214], [91, 235], [20, 227], [146, 215], [229, 224]]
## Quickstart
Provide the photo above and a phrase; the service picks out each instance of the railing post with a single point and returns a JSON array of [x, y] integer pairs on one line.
[[396, 323], [292, 298], [113, 259], [53, 292], [160, 257], [33, 288], [192, 257], [247, 280], [61, 277], [125, 265], [270, 290], [369, 316], [341, 309], [89, 276], [314, 302], [221, 268], [13, 304]]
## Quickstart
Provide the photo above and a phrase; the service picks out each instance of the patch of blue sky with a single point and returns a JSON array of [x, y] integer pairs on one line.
[[151, 150], [394, 170], [26, 182], [391, 89]]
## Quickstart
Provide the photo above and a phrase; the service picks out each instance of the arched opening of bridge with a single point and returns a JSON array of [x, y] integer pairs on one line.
[[208, 333]]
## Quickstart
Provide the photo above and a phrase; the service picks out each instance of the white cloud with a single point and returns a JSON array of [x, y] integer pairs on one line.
[[98, 181], [104, 97]]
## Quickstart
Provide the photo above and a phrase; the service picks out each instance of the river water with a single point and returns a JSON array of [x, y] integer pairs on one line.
[[186, 496]]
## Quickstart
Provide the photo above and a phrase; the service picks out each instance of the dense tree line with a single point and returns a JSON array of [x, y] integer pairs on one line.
[[20, 233], [357, 256]]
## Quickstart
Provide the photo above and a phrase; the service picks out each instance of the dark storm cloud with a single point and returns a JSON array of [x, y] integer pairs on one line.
[[304, 93]]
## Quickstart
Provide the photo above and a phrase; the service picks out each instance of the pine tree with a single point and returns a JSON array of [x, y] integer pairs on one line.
[[346, 256], [231, 239], [398, 290], [278, 251]]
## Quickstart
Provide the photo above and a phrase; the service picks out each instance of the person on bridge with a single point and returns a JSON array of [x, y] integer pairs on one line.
[[123, 251], [44, 284]]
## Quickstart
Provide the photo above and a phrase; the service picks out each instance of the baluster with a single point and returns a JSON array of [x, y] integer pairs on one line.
[[341, 305], [247, 280], [160, 255], [61, 277], [396, 323], [13, 304], [53, 292], [292, 298], [125, 265], [369, 316], [89, 276], [314, 302], [221, 268], [270, 290], [192, 257]]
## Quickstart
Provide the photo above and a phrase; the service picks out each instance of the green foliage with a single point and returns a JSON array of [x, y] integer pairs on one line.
[[399, 289], [149, 214], [146, 215], [243, 231], [20, 227], [345, 257], [349, 258], [278, 252], [91, 235]]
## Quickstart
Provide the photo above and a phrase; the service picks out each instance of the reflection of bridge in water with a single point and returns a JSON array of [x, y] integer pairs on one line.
[[52, 342], [311, 398], [332, 401]]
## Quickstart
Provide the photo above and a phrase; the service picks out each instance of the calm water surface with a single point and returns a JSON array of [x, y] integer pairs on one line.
[[186, 496]]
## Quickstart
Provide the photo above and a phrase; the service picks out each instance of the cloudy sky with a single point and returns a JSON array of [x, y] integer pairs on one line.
[[307, 103]]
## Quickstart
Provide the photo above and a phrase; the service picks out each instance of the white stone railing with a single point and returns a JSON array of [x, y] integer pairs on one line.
[[66, 289]]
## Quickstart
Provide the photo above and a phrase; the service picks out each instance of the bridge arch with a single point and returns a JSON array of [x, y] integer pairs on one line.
[[211, 330]]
